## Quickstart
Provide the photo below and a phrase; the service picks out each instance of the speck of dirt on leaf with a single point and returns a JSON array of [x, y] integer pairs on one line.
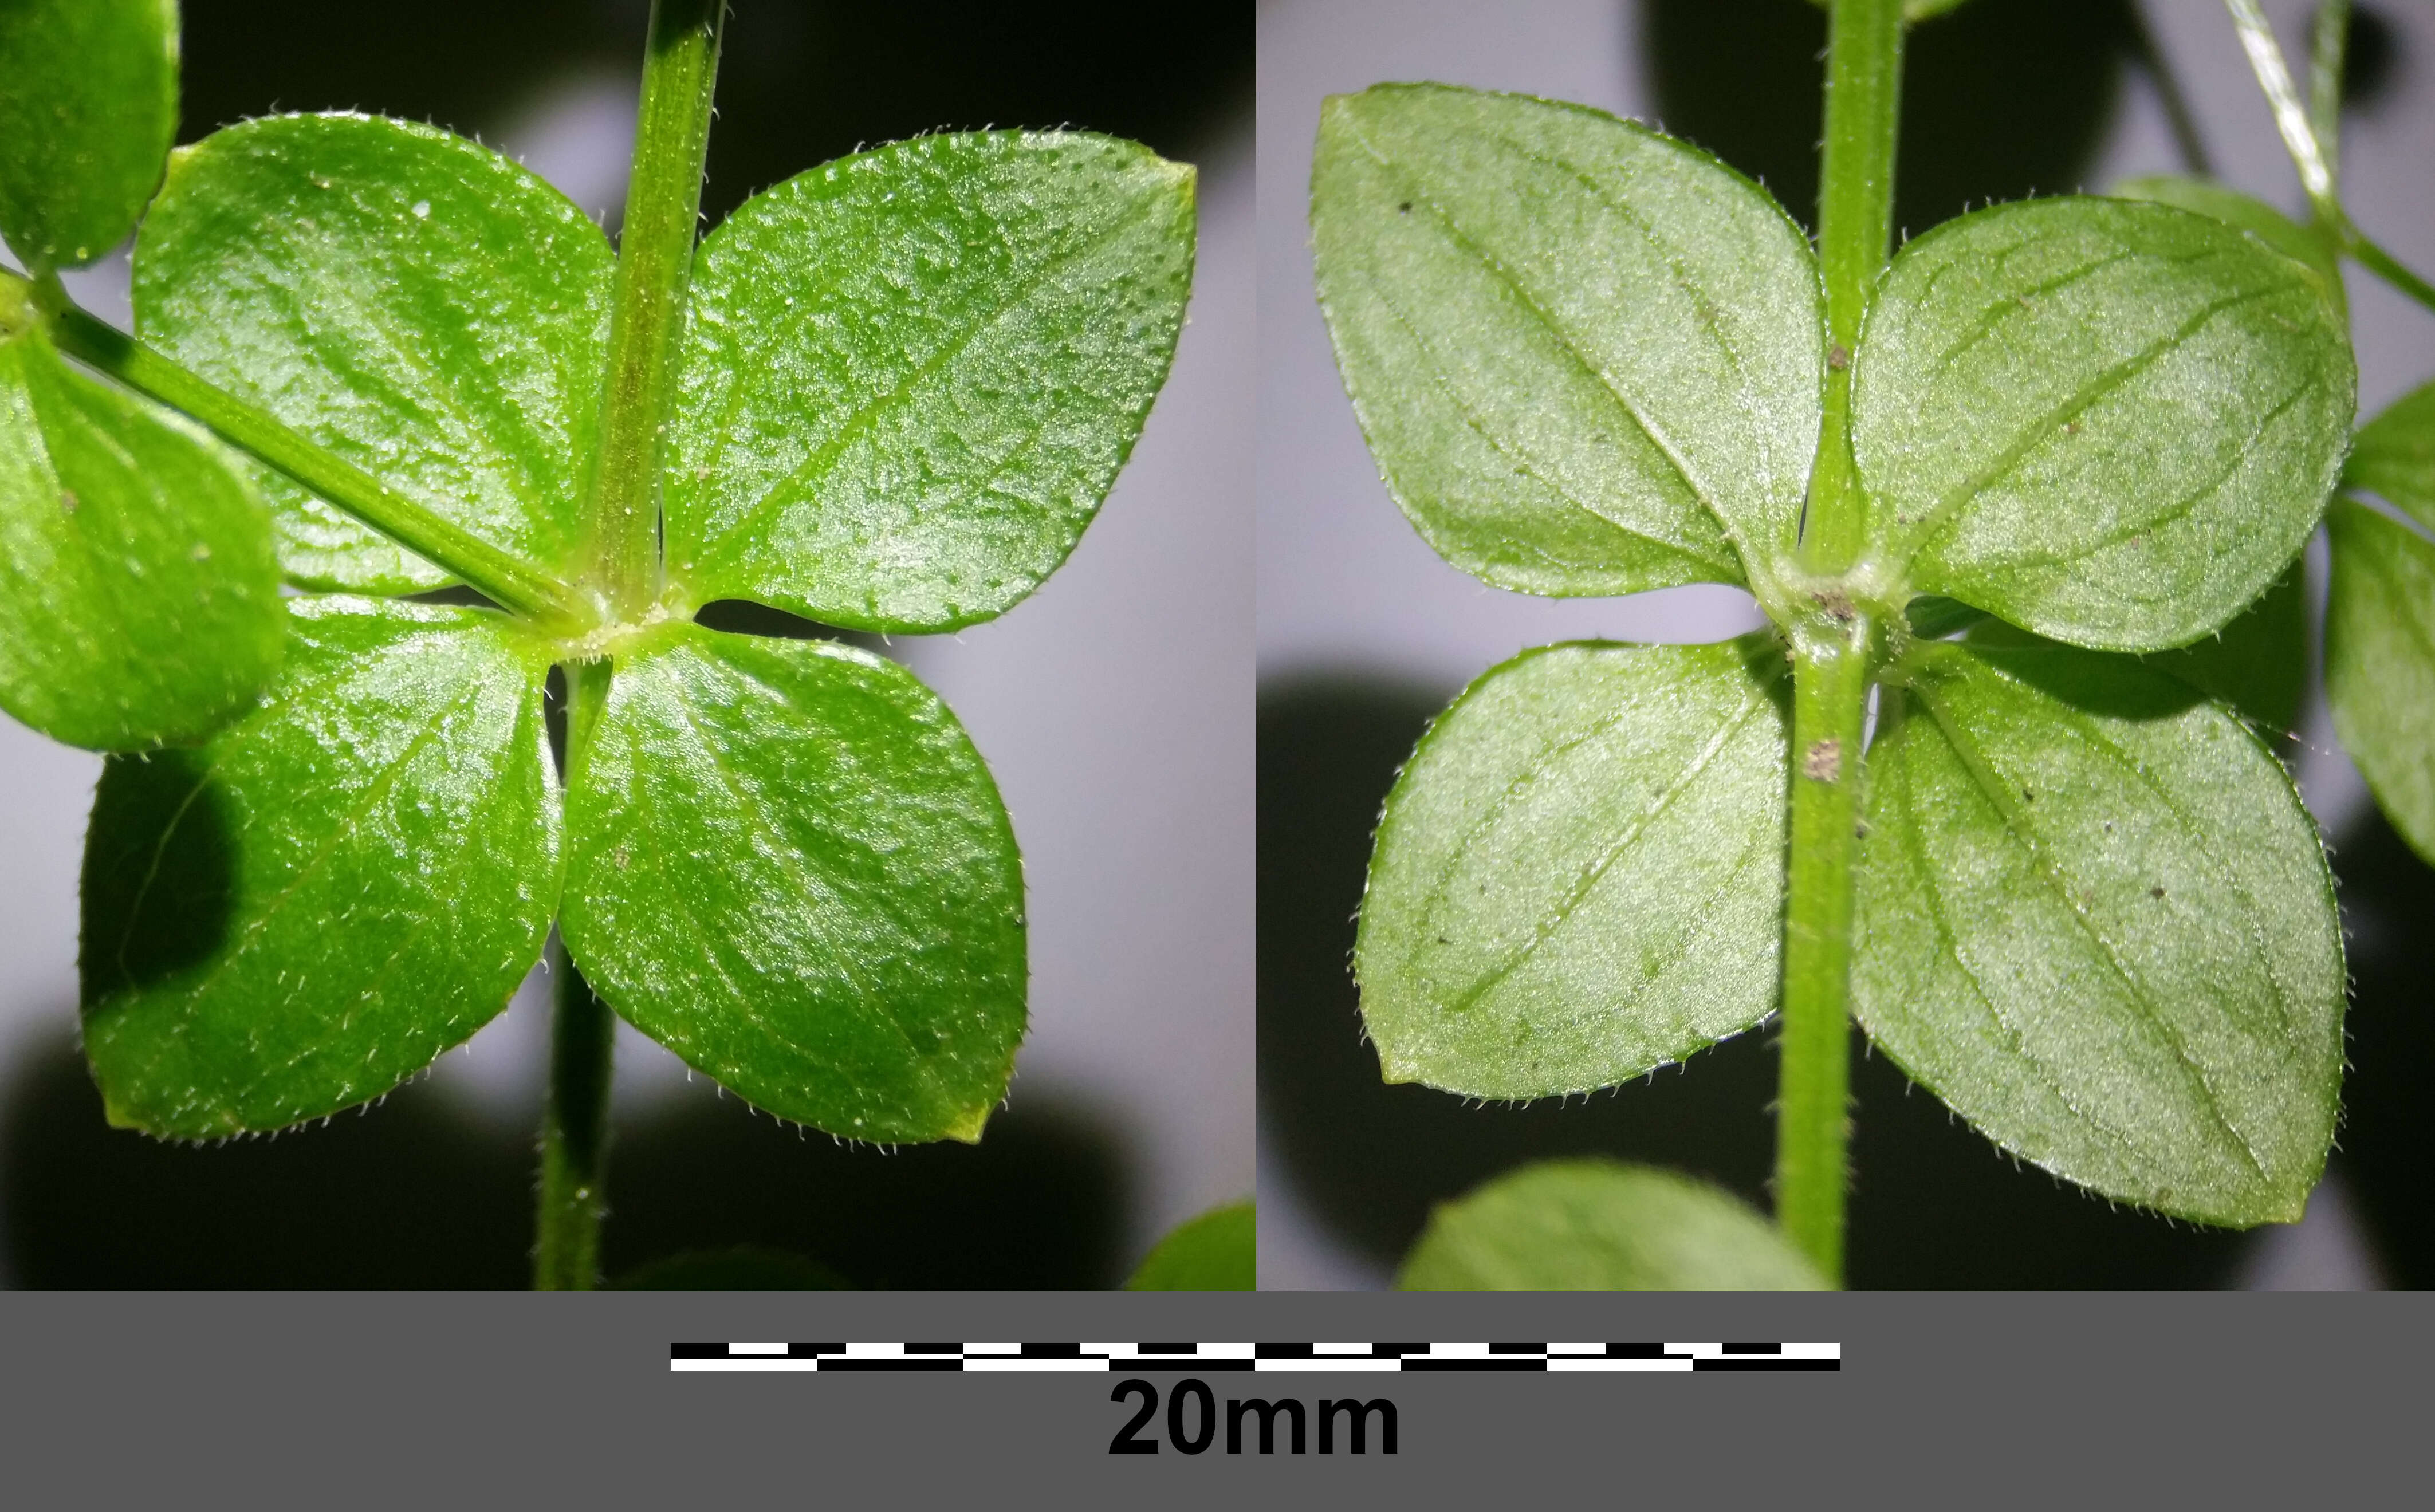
[[1823, 761]]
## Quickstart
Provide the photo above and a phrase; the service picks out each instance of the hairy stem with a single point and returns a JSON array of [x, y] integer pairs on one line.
[[654, 267], [574, 1133], [1855, 213], [1832, 663], [512, 582], [1834, 649], [575, 1117]]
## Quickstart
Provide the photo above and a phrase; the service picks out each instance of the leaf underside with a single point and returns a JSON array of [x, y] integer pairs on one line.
[[1600, 1225], [354, 877], [1580, 875], [2277, 230], [410, 301], [2099, 925], [139, 602], [88, 109], [912, 374], [2257, 664], [2380, 663], [1587, 358], [2111, 423], [788, 864]]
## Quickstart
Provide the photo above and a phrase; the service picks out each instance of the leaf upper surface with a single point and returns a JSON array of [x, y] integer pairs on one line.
[[788, 864], [1588, 358], [139, 600], [2394, 456], [356, 876], [1602, 1226], [1580, 875], [2111, 423], [2380, 663], [1216, 1252], [911, 374], [88, 109], [415, 302], [2099, 925]]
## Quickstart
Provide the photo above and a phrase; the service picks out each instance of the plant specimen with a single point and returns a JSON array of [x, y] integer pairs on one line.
[[2054, 874], [885, 395]]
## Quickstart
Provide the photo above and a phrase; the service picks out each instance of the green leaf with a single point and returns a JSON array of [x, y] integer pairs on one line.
[[139, 603], [788, 864], [2098, 924], [912, 374], [2394, 456], [418, 304], [1580, 875], [2111, 423], [2380, 663], [1600, 1225], [2205, 196], [2258, 663], [335, 889], [88, 109], [1589, 358], [1218, 1252]]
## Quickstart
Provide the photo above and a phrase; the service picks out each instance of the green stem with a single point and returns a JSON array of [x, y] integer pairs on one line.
[[1835, 646], [514, 584], [1856, 213], [1832, 661], [574, 1133], [2384, 265], [654, 266]]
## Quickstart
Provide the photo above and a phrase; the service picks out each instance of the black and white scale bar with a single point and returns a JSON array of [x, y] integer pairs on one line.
[[1200, 1357]]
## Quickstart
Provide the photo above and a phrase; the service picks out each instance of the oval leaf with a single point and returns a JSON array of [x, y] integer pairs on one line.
[[1589, 358], [2257, 664], [2098, 924], [2269, 224], [1218, 1252], [139, 600], [1600, 1225], [912, 374], [88, 109], [2380, 664], [312, 907], [788, 864], [416, 303], [2111, 423], [2394, 456], [1580, 875]]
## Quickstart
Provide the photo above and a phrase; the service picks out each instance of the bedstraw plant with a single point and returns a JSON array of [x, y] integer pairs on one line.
[[1952, 791], [381, 360]]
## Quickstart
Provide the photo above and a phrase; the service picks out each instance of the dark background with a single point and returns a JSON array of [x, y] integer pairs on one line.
[[422, 1190]]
